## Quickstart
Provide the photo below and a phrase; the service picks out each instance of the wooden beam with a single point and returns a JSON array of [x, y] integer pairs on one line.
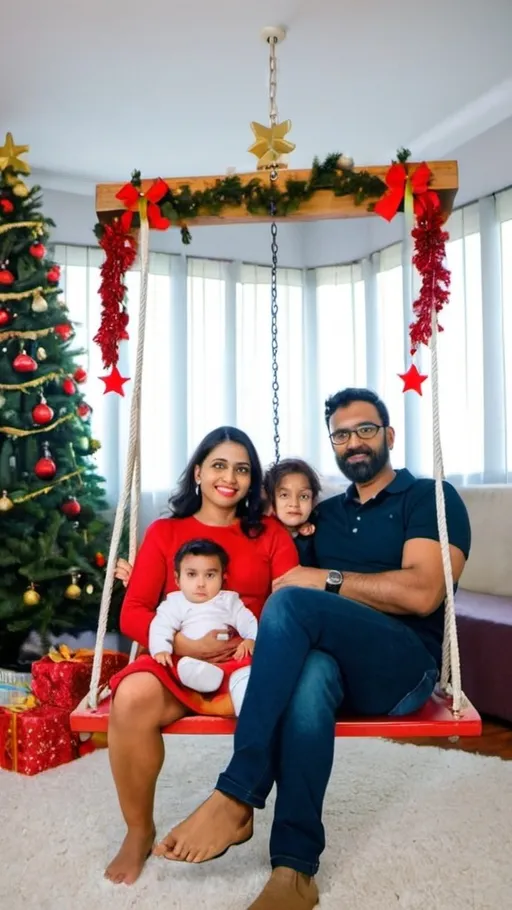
[[322, 206]]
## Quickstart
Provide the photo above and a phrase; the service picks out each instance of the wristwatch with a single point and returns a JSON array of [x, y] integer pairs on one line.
[[334, 582]]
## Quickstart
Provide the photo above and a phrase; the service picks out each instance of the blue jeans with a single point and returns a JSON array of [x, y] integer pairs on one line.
[[315, 651]]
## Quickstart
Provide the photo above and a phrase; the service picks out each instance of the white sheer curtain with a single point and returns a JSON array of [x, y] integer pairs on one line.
[[341, 350], [254, 359], [504, 214]]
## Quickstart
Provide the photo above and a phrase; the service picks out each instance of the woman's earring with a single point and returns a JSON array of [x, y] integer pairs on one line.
[[247, 503], [197, 489]]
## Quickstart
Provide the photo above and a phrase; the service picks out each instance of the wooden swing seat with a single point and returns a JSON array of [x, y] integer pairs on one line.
[[435, 719]]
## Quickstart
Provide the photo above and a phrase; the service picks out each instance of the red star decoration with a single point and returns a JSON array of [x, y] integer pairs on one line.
[[412, 380], [114, 382]]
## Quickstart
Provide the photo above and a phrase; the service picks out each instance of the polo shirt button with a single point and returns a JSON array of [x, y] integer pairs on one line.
[[354, 530], [358, 518]]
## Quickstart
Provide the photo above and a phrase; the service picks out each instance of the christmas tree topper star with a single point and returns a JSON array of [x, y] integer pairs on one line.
[[9, 156]]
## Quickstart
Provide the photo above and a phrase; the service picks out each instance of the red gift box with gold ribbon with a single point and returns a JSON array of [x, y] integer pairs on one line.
[[63, 677], [34, 738]]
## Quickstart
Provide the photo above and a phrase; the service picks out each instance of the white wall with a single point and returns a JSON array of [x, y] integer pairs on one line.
[[485, 166]]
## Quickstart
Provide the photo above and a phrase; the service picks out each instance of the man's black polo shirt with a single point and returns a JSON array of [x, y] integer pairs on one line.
[[370, 538]]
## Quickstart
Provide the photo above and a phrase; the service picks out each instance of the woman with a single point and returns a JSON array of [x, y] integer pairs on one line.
[[219, 497]]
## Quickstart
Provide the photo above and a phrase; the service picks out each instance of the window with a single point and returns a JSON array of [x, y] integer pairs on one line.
[[390, 353], [341, 342], [254, 359], [505, 213]]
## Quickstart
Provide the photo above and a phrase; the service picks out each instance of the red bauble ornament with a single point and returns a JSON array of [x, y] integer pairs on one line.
[[83, 410], [80, 375], [64, 331], [5, 317], [71, 508], [38, 250], [45, 468], [53, 274], [42, 414], [124, 320], [24, 364], [100, 560], [6, 206], [6, 277], [68, 387]]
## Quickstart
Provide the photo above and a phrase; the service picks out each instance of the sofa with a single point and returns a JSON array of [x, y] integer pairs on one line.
[[484, 601]]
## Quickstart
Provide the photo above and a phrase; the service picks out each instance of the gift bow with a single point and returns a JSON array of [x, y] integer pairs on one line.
[[414, 189], [64, 653], [24, 705], [145, 203]]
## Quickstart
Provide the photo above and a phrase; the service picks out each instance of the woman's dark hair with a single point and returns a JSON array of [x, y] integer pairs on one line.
[[277, 472], [201, 547], [185, 501]]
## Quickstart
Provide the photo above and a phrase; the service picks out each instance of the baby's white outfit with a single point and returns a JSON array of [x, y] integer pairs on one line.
[[177, 614]]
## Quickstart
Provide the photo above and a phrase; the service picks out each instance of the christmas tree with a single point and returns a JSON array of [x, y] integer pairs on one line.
[[53, 540]]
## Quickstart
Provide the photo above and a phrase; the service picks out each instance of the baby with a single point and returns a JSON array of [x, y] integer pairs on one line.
[[292, 489], [199, 607]]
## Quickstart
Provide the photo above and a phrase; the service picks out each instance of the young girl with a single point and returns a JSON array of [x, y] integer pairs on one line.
[[292, 489], [198, 607]]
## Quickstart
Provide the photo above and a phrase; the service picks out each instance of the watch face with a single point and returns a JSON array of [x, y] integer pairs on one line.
[[334, 578]]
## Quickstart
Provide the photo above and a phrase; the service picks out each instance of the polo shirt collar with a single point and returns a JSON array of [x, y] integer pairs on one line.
[[401, 482]]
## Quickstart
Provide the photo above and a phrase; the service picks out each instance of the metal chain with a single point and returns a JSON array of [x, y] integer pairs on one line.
[[273, 82], [274, 250], [274, 309]]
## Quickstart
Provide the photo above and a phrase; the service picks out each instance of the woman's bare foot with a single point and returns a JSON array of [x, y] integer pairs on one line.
[[220, 823], [126, 867]]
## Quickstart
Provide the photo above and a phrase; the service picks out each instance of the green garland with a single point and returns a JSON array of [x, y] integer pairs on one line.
[[256, 196]]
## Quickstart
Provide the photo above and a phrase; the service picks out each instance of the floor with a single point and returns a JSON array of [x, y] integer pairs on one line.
[[496, 740]]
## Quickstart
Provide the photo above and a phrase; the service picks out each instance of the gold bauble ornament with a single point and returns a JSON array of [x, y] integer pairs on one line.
[[21, 191], [72, 592], [39, 304], [9, 156], [31, 598], [5, 503], [41, 354], [270, 143]]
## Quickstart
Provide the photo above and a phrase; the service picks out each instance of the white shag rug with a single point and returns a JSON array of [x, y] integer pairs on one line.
[[407, 829]]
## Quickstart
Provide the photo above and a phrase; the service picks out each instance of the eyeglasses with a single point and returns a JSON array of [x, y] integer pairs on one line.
[[364, 431]]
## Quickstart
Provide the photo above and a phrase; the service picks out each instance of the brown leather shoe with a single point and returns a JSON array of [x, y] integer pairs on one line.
[[287, 890]]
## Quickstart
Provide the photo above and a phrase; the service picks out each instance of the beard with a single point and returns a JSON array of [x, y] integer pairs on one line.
[[363, 471]]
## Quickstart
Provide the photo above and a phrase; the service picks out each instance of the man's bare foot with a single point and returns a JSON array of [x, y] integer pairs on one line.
[[126, 867], [220, 823]]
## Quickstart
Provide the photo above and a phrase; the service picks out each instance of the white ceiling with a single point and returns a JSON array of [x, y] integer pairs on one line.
[[102, 87]]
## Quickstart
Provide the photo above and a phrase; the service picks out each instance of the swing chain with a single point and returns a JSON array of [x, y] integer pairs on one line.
[[274, 311]]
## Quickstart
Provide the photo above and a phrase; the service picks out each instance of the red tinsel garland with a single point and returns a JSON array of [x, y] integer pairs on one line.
[[120, 252], [429, 259]]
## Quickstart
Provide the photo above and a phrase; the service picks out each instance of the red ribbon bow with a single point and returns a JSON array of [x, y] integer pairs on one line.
[[131, 197], [396, 179]]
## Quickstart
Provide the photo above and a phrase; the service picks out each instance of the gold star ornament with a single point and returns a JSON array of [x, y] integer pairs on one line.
[[270, 143], [9, 156]]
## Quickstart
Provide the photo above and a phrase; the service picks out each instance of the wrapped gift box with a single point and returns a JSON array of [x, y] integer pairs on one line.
[[34, 738], [63, 677]]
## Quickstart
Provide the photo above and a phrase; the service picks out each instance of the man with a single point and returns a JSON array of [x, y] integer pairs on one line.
[[371, 614]]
